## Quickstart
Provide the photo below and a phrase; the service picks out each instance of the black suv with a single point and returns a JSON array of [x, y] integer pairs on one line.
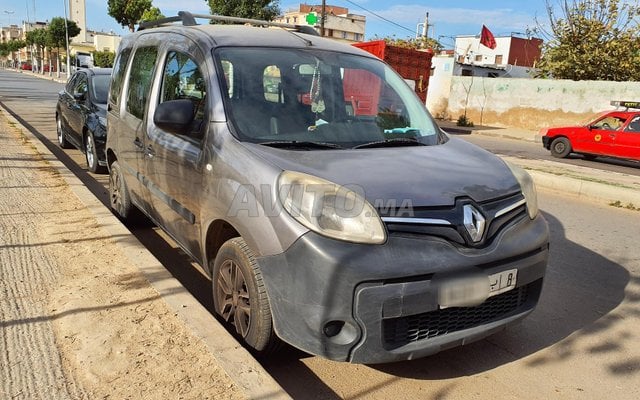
[[311, 184], [81, 115]]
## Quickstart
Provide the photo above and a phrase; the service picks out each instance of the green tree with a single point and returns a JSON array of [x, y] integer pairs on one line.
[[57, 35], [591, 40], [152, 14], [257, 9], [128, 12], [103, 59], [38, 39]]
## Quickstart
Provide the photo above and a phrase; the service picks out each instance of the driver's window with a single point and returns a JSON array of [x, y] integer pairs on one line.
[[634, 125], [609, 123], [81, 85]]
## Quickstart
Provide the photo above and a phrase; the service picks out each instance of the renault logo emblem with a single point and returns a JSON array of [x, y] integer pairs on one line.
[[474, 222]]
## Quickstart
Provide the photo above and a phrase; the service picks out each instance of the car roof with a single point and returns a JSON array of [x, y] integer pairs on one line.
[[219, 35]]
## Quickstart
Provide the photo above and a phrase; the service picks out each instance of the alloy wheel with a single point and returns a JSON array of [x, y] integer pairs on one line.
[[233, 297]]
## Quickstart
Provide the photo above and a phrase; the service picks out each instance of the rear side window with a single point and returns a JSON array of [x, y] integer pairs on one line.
[[118, 76], [140, 79]]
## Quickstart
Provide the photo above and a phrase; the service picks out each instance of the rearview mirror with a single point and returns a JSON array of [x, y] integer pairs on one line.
[[174, 116]]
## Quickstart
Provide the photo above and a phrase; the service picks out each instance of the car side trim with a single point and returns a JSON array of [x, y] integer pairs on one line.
[[170, 201]]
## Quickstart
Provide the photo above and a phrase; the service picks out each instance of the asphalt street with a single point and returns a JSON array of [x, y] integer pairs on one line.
[[581, 342]]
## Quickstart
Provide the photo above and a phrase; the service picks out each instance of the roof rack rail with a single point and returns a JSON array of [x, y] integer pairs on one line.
[[189, 19]]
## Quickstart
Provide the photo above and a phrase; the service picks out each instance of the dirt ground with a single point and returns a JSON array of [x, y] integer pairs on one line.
[[77, 320]]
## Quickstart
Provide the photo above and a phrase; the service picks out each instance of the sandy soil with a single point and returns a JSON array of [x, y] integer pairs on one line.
[[76, 319]]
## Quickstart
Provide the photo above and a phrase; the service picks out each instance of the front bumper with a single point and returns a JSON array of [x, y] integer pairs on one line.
[[379, 303]]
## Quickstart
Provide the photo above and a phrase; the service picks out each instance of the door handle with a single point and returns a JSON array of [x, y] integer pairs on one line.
[[138, 144], [150, 152]]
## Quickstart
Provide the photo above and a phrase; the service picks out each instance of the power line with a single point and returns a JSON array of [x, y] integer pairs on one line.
[[380, 16]]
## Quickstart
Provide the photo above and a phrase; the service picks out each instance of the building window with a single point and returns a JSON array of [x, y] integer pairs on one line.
[[498, 59], [295, 20], [344, 34], [330, 33], [287, 19], [478, 57]]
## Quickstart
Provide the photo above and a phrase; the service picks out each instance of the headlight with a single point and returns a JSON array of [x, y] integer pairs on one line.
[[330, 209], [528, 188]]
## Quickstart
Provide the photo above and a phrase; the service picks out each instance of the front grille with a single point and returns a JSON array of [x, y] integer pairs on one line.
[[404, 330], [455, 231]]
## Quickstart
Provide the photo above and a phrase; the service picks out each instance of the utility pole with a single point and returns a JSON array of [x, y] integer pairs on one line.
[[323, 12]]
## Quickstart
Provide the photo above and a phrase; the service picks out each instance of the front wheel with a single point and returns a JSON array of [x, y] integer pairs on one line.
[[240, 298], [560, 147], [91, 155]]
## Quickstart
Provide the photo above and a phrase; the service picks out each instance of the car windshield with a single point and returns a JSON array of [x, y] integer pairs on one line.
[[304, 96], [100, 88]]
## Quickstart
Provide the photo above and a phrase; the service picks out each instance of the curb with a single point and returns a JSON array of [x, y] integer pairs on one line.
[[578, 185], [243, 369], [46, 77]]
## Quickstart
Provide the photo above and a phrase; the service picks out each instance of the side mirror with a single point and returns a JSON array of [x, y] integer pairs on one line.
[[590, 127], [80, 96], [174, 116]]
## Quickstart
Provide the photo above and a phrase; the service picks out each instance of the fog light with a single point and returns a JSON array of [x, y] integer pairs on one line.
[[340, 332], [333, 328]]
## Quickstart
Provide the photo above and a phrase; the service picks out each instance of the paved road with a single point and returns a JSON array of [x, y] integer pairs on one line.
[[580, 343], [525, 149]]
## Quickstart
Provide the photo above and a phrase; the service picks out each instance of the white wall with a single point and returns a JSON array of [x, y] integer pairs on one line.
[[534, 103], [440, 85]]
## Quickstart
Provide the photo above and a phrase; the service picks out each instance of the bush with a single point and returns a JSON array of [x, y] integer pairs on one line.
[[464, 121]]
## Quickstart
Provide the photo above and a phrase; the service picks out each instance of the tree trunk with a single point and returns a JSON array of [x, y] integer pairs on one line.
[[58, 63]]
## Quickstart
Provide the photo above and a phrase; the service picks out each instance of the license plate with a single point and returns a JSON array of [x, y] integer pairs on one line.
[[474, 290], [502, 282]]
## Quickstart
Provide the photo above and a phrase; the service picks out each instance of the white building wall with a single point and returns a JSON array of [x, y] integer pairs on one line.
[[534, 103], [470, 49], [440, 85]]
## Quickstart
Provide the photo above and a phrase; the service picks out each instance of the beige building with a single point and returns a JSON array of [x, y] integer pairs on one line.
[[339, 24]]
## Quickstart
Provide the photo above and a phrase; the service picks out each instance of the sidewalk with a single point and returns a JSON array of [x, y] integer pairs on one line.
[[510, 133], [62, 79], [86, 311]]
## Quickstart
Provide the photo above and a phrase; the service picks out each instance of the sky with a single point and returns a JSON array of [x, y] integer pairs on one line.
[[448, 19]]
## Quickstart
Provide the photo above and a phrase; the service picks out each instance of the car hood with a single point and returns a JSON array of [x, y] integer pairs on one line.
[[424, 175]]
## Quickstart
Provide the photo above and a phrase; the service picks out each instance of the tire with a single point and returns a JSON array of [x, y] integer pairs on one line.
[[119, 197], [238, 290], [560, 147], [62, 137], [91, 155]]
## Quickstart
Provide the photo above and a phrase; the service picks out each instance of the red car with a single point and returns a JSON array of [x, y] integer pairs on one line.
[[612, 133]]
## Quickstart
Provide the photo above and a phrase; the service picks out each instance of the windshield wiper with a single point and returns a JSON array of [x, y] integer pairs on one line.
[[301, 144], [391, 143]]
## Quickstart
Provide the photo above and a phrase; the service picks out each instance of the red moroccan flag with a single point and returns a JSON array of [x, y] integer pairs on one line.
[[487, 38]]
